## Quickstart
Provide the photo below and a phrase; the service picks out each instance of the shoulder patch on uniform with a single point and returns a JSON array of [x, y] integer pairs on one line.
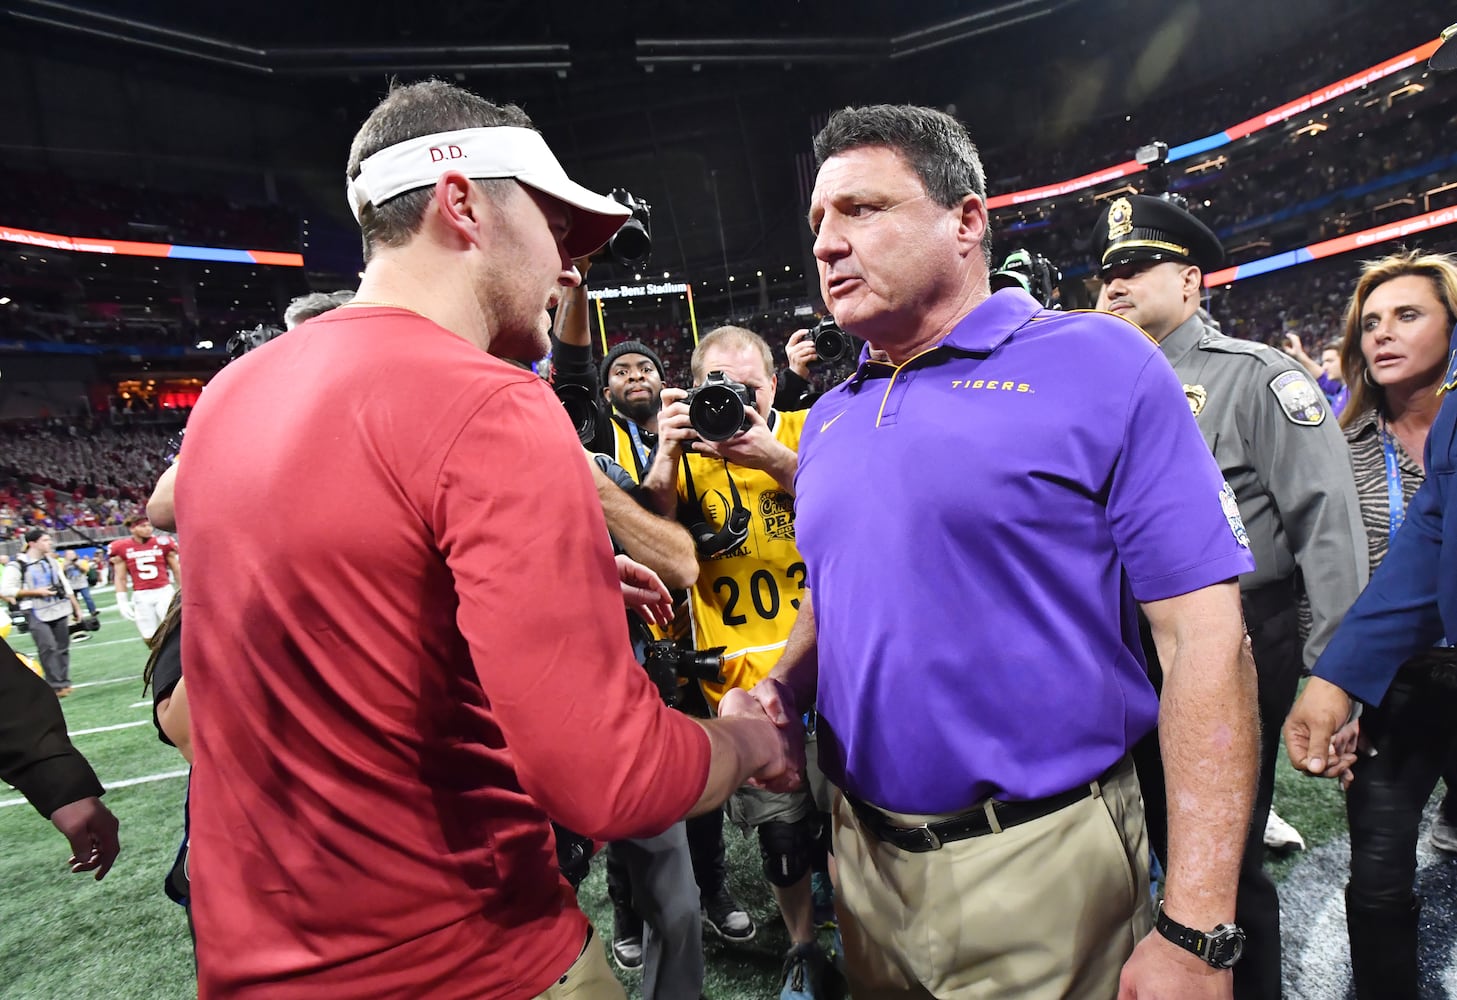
[[1229, 503], [1299, 400]]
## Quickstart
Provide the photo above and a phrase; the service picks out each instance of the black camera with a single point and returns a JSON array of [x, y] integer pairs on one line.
[[1031, 272], [573, 854], [632, 245], [581, 409], [831, 343], [57, 590], [716, 408], [19, 620], [666, 663], [244, 341], [85, 625]]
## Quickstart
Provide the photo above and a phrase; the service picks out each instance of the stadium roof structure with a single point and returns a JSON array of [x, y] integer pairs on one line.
[[704, 110]]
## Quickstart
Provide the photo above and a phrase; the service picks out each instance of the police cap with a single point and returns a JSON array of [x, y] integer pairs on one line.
[[1137, 227]]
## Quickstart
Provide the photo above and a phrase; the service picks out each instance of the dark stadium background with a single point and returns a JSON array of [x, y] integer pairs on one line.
[[227, 125]]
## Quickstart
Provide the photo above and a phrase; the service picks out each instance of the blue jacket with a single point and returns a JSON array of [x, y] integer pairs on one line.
[[1411, 602]]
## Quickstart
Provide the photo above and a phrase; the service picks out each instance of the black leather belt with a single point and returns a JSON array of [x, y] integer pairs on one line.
[[930, 836]]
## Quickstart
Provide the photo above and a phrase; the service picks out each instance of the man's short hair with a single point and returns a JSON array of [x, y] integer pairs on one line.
[[730, 336], [937, 147], [1331, 345], [135, 519], [306, 307], [33, 535], [408, 112]]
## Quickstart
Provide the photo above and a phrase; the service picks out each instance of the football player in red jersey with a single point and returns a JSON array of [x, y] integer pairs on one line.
[[140, 566]]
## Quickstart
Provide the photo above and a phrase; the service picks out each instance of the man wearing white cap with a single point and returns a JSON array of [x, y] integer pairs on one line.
[[396, 684]]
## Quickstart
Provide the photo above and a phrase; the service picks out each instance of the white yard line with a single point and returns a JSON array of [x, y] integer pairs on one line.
[[93, 644], [114, 680], [107, 729], [164, 776]]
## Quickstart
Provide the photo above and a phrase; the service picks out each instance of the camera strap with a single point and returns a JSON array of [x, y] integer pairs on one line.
[[642, 455], [735, 528]]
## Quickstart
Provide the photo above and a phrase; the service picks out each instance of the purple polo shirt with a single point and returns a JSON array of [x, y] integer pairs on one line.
[[979, 526]]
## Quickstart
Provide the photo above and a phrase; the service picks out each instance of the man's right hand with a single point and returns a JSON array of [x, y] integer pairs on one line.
[[675, 431], [91, 829], [786, 768], [777, 701], [1320, 712], [1292, 346], [800, 350], [124, 605]]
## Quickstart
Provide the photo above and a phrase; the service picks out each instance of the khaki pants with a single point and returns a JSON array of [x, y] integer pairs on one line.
[[588, 978], [1046, 910]]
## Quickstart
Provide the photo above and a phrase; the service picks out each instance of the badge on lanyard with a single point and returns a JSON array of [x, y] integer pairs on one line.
[[1449, 380]]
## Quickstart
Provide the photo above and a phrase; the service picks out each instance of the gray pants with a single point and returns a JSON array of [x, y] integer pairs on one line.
[[665, 895], [53, 646]]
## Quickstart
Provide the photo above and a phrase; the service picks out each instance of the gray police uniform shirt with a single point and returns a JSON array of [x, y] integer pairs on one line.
[[1280, 450]]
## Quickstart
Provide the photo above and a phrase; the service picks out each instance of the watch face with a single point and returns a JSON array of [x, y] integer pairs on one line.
[[1226, 945]]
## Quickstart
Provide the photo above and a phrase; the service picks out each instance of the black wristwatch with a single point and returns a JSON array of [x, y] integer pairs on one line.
[[1221, 947]]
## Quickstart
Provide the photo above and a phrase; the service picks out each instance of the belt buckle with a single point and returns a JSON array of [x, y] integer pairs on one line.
[[933, 842]]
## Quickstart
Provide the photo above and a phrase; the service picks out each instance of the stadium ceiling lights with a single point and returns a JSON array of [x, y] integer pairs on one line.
[[342, 60], [697, 52]]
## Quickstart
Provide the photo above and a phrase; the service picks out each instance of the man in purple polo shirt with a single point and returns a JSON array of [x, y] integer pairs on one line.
[[981, 515]]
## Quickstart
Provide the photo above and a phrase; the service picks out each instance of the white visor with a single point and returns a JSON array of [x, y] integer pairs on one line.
[[482, 153]]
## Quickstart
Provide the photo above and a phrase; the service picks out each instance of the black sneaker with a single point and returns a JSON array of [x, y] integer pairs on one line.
[[626, 938], [727, 918]]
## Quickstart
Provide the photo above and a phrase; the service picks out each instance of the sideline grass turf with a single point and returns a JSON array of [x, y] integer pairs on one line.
[[67, 936]]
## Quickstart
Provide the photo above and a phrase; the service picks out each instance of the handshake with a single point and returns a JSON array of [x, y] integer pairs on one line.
[[777, 748]]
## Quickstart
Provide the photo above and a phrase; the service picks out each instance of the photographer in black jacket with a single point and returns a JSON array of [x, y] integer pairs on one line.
[[621, 423]]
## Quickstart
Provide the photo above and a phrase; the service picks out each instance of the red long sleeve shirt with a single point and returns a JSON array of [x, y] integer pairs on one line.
[[405, 649]]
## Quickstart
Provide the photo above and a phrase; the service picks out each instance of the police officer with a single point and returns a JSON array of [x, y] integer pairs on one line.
[[1284, 457]]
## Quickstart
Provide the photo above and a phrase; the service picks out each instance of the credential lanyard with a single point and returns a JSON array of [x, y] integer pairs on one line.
[[1396, 502], [640, 450]]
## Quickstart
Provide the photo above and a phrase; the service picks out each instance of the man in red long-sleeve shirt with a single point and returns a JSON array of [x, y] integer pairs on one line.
[[393, 683]]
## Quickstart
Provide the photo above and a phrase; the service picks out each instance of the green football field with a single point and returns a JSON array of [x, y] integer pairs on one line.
[[67, 936]]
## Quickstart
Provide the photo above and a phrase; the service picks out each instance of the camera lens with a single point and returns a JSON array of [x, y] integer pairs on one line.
[[631, 245], [830, 341], [716, 413], [581, 410]]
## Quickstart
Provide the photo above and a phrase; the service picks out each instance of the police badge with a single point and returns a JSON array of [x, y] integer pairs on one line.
[[1120, 220], [1298, 399], [1197, 396]]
